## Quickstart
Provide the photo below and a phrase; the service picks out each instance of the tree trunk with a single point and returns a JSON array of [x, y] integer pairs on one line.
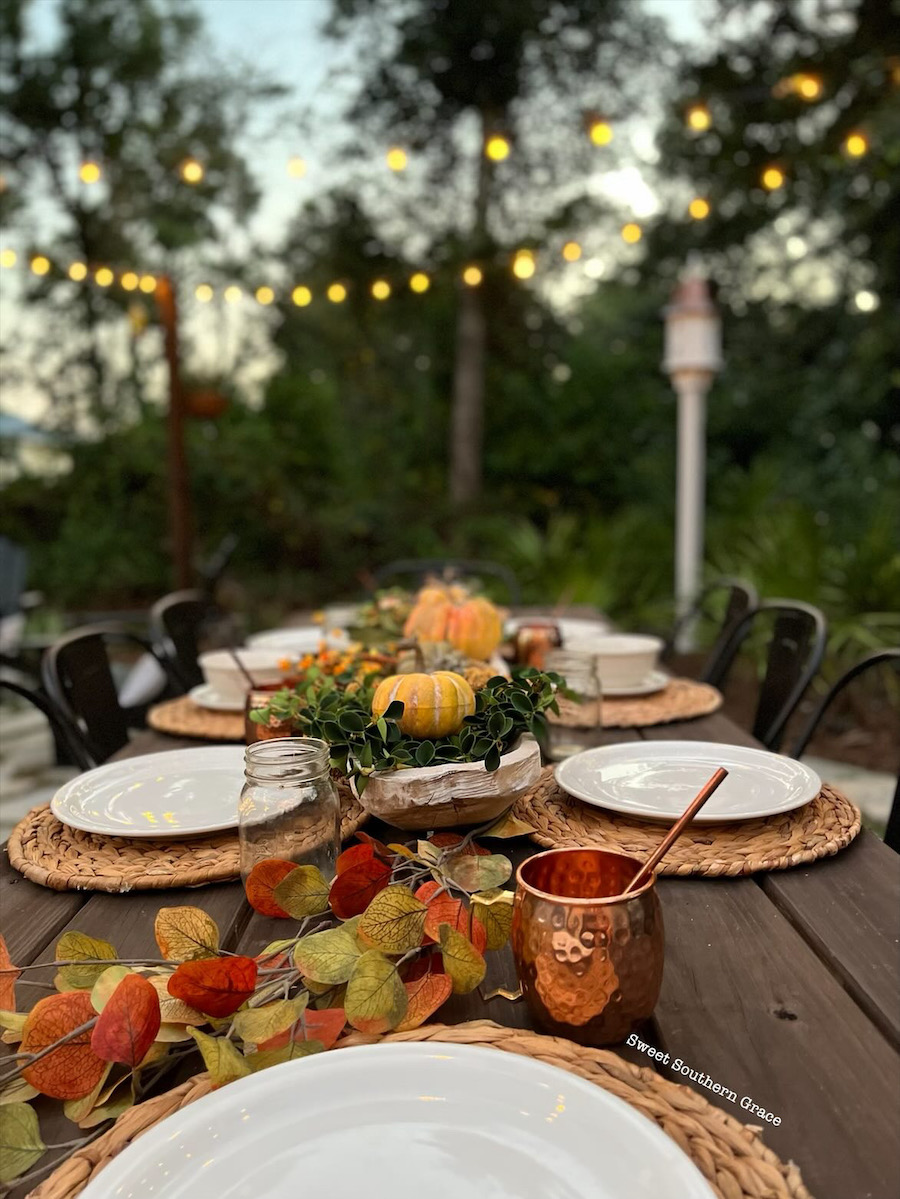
[[467, 420]]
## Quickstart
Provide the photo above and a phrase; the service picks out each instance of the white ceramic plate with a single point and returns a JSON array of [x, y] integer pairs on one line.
[[656, 780], [182, 792], [205, 697], [400, 1122], [655, 681], [301, 639]]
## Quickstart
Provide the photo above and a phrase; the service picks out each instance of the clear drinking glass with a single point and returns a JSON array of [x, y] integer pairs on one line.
[[289, 806], [580, 713]]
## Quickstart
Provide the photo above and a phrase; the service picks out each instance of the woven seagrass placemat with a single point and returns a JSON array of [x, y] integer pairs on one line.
[[66, 859], [730, 1155], [680, 699], [181, 717], [820, 828]]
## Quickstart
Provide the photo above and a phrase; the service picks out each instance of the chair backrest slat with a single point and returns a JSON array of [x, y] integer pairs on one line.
[[176, 622]]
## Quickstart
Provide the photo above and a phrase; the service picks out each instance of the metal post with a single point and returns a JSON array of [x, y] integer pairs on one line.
[[179, 486], [691, 388]]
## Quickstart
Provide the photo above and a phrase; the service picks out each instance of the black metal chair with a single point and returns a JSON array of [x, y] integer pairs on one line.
[[878, 658], [212, 570], [70, 745], [175, 624], [794, 654], [740, 596], [77, 675], [450, 568]]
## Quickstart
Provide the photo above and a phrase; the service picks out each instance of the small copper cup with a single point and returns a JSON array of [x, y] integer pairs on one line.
[[589, 959], [260, 697]]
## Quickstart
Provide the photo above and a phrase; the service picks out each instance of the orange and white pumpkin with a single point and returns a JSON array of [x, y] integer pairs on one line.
[[474, 626], [434, 705]]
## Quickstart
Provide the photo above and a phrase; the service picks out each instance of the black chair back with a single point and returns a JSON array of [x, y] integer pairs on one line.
[[70, 746], [794, 654], [740, 596], [450, 568], [77, 675], [175, 622]]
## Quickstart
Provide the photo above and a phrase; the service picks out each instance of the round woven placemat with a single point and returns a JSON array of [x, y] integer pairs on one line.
[[820, 828], [183, 718], [730, 1155], [680, 699], [66, 859]]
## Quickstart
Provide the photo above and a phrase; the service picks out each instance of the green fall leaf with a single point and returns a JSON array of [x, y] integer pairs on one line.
[[303, 892], [20, 1140], [102, 990], [494, 908], [260, 1023], [330, 956], [477, 873], [394, 921], [78, 947], [462, 961], [376, 1000], [221, 1058]]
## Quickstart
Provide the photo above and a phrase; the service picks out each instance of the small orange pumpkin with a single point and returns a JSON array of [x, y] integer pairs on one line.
[[434, 705], [474, 627]]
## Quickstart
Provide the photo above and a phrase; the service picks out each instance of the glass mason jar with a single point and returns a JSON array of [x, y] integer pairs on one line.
[[289, 806], [581, 712]]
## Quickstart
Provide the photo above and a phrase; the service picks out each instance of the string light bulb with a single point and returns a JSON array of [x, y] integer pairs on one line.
[[856, 144], [103, 276], [497, 147], [419, 282], [397, 158], [600, 133], [808, 86], [337, 293], [264, 295], [8, 258], [296, 166], [147, 284], [232, 294], [381, 289], [129, 281], [699, 208], [631, 233], [192, 171], [571, 251], [77, 271], [523, 266], [203, 292], [772, 178], [40, 265], [301, 296], [699, 118], [472, 276], [89, 172]]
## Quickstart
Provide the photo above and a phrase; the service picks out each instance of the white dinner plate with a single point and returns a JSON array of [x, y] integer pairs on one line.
[[656, 780], [182, 792], [301, 639], [655, 681], [205, 696], [400, 1122]]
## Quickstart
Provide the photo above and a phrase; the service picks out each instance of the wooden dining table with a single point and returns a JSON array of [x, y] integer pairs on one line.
[[783, 987]]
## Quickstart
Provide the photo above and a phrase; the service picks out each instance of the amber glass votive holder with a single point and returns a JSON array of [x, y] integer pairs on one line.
[[260, 697], [589, 958]]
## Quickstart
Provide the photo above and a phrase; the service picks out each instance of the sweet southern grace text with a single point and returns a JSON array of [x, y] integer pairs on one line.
[[703, 1080]]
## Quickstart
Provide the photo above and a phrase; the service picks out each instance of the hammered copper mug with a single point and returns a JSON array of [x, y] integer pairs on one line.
[[589, 959]]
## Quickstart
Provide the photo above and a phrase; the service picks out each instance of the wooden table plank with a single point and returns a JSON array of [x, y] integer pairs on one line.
[[848, 909], [717, 727], [746, 1001], [30, 915]]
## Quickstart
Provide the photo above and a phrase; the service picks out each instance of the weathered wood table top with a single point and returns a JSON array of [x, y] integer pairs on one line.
[[783, 987]]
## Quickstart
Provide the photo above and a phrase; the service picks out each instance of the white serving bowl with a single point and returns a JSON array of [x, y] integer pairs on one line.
[[624, 659], [223, 674]]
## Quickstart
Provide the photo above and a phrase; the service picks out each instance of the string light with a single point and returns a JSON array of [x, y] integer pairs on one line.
[[203, 292], [772, 178], [301, 296], [129, 281], [397, 158], [631, 233], [600, 133], [296, 167], [808, 86], [8, 258], [337, 293], [419, 282], [89, 172], [264, 295], [232, 294], [497, 148], [148, 284], [40, 265], [571, 251], [103, 276], [699, 118], [856, 144], [381, 289], [523, 266], [77, 271], [472, 276], [192, 171], [699, 208], [866, 301]]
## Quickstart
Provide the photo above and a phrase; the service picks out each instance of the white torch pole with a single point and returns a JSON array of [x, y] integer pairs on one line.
[[691, 388]]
